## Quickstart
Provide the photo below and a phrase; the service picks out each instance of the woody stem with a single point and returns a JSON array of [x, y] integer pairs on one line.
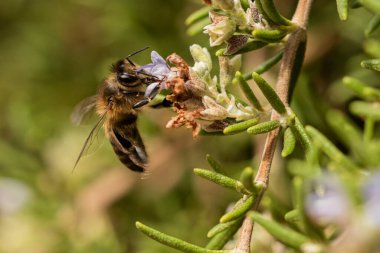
[[300, 18]]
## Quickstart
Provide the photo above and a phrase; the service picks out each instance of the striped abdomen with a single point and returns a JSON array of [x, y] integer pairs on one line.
[[127, 143]]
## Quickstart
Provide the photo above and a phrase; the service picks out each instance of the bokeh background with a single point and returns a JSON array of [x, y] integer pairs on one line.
[[54, 54]]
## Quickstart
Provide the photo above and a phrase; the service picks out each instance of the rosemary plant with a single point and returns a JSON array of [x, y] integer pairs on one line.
[[326, 182]]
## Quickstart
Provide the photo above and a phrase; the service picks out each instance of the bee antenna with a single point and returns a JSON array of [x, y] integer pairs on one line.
[[138, 51]]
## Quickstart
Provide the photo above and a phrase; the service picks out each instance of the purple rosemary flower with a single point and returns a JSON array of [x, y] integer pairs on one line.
[[158, 67], [327, 202]]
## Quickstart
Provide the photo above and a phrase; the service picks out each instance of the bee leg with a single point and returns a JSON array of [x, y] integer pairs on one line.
[[141, 103], [151, 91]]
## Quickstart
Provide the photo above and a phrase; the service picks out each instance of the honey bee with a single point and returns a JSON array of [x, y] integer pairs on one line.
[[117, 104]]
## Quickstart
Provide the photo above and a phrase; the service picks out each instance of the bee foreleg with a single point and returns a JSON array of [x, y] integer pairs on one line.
[[151, 91]]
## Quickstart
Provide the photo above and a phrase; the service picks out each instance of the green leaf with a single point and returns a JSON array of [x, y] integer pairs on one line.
[[219, 240], [361, 89], [173, 242], [215, 165], [270, 36], [244, 4], [346, 130], [330, 150], [302, 136], [373, 64], [248, 47], [293, 216], [372, 5], [342, 6], [240, 127], [269, 93], [197, 15], [222, 180], [299, 196], [289, 142], [247, 91], [239, 211], [265, 66], [222, 227], [269, 11], [372, 48], [373, 24], [246, 178], [264, 127], [262, 11], [355, 4], [369, 127], [198, 26], [366, 109], [285, 235], [299, 168]]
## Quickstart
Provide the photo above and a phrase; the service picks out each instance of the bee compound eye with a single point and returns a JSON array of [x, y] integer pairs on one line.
[[126, 78]]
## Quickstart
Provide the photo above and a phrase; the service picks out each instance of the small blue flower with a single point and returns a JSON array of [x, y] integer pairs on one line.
[[327, 203], [158, 67]]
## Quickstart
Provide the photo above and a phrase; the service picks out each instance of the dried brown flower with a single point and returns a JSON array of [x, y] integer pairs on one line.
[[185, 117]]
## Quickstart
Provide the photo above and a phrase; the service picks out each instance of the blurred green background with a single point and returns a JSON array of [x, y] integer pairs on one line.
[[54, 54]]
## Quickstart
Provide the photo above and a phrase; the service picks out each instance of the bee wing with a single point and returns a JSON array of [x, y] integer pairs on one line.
[[83, 109], [129, 147], [87, 143]]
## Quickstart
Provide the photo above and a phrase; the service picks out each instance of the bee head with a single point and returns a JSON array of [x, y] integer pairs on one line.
[[125, 72]]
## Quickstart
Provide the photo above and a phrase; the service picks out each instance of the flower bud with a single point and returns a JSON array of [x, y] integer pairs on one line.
[[221, 29]]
